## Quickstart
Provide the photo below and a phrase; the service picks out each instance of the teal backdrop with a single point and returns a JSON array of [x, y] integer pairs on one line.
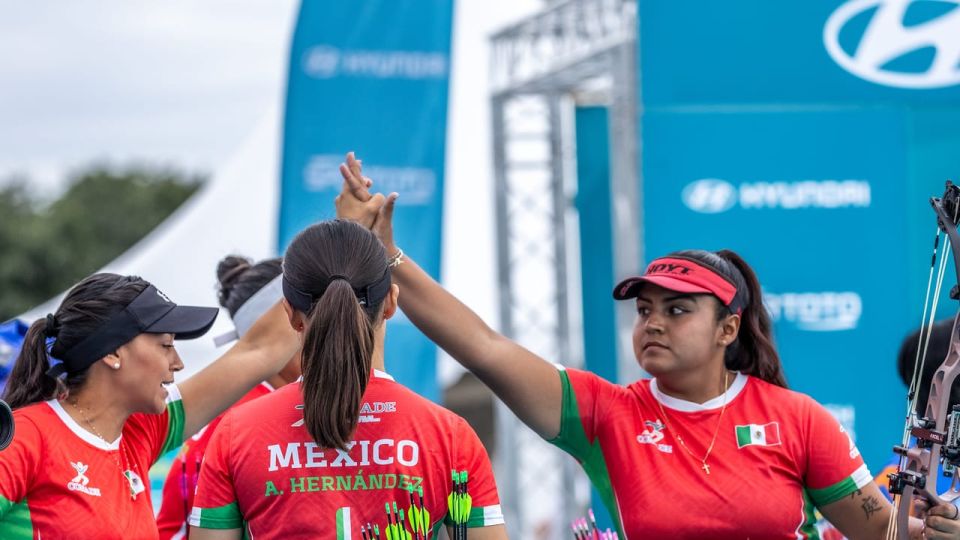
[[808, 136], [593, 203]]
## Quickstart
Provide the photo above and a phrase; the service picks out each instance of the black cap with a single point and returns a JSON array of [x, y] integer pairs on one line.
[[151, 312]]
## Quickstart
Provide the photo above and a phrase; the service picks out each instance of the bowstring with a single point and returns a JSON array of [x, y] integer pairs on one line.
[[923, 343], [926, 329]]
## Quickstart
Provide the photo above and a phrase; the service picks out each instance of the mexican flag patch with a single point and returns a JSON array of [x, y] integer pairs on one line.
[[758, 434], [344, 531]]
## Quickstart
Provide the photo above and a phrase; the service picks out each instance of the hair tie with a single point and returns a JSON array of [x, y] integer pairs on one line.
[[52, 329], [336, 277]]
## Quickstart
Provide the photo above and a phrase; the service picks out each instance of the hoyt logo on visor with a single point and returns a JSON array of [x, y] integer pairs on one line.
[[668, 268], [679, 274]]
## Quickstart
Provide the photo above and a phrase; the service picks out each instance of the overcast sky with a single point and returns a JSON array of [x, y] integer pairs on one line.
[[175, 82], [171, 82]]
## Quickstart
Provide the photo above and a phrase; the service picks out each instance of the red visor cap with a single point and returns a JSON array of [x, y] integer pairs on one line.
[[681, 275]]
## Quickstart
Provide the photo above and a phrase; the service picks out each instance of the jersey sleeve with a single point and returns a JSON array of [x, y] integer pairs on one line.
[[215, 504], [481, 486], [172, 517], [181, 483], [157, 434], [19, 464], [833, 465], [585, 396]]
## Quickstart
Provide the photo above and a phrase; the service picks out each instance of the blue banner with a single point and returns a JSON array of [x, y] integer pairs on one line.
[[593, 203], [12, 333], [372, 77], [808, 137], [594, 206]]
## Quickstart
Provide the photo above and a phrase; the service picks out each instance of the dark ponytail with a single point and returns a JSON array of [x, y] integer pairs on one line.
[[28, 382], [753, 352], [337, 367], [330, 262], [87, 306]]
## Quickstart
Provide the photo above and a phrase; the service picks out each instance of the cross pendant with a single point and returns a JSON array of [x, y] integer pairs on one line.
[[705, 467]]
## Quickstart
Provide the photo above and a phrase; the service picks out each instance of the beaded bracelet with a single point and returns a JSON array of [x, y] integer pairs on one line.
[[396, 260]]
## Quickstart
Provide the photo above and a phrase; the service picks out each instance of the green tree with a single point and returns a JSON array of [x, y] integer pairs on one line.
[[19, 247], [46, 248]]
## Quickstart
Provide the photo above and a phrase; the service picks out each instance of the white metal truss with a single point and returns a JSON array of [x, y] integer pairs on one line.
[[571, 52]]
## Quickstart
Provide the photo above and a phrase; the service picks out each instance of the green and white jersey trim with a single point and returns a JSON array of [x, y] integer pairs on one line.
[[485, 516], [224, 517], [177, 419], [573, 440], [814, 498], [492, 515], [15, 523], [807, 529], [841, 489]]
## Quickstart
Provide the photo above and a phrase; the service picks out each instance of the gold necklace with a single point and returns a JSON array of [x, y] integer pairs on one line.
[[703, 462], [116, 459]]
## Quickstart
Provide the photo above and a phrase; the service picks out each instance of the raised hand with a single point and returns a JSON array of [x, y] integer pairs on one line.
[[383, 225], [355, 201]]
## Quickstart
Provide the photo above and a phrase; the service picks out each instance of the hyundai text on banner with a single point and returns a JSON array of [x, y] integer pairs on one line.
[[372, 77]]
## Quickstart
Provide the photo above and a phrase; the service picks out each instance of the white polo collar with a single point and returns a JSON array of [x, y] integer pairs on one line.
[[739, 382], [78, 430]]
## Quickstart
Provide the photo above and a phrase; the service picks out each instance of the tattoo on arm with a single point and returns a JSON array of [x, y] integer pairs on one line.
[[870, 506]]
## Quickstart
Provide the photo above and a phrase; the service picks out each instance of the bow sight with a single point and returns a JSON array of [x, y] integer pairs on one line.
[[937, 430], [926, 436]]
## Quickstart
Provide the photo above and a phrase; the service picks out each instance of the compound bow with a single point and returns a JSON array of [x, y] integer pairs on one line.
[[936, 431]]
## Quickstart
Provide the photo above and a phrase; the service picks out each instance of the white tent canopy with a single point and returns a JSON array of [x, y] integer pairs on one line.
[[234, 213]]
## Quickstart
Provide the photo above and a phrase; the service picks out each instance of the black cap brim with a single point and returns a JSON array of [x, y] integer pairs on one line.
[[187, 322]]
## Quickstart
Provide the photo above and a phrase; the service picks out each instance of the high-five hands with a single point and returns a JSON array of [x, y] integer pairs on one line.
[[355, 203]]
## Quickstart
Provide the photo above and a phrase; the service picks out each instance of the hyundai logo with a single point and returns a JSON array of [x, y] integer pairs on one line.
[[888, 41], [709, 196], [321, 62]]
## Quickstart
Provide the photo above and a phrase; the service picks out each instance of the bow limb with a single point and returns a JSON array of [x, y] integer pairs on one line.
[[936, 411], [947, 209], [918, 472]]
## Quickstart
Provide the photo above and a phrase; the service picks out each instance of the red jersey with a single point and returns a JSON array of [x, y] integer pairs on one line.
[[263, 468], [181, 483], [57, 480], [778, 455]]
